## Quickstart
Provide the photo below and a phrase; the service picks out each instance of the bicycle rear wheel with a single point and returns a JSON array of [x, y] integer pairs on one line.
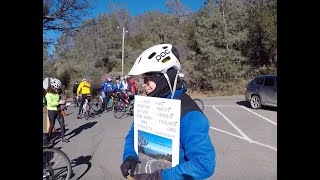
[[86, 110], [119, 109], [96, 104], [87, 115], [199, 102], [76, 102], [56, 164]]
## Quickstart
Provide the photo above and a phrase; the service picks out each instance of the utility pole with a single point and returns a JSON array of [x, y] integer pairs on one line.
[[123, 31], [122, 59], [225, 25]]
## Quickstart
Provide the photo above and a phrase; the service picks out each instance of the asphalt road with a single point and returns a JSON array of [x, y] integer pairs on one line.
[[245, 141]]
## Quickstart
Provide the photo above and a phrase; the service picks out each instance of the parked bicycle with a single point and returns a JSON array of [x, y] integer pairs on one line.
[[86, 108], [56, 164], [121, 109], [97, 102], [199, 103], [185, 89]]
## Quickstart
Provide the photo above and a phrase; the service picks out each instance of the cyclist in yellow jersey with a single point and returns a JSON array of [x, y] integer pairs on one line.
[[84, 91]]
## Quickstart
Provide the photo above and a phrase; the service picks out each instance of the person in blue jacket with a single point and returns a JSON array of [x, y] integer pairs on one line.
[[103, 93], [108, 89], [159, 66]]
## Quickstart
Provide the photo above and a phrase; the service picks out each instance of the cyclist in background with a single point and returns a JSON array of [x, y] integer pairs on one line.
[[119, 84], [103, 94], [108, 89], [83, 90], [120, 87], [75, 87], [133, 88], [53, 101], [125, 84], [74, 92], [123, 94]]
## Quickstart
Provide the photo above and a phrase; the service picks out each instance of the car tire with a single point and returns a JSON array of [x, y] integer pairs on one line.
[[255, 102]]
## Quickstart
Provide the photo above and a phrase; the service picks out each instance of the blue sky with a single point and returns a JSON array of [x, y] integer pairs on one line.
[[134, 7], [153, 143]]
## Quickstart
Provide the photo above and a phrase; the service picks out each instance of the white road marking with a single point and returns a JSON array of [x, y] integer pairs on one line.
[[146, 168], [148, 165], [234, 126], [222, 105], [227, 133], [244, 137], [259, 115], [255, 142]]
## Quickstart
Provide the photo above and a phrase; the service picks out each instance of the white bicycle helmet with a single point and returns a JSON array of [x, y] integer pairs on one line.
[[83, 80], [158, 58], [55, 83]]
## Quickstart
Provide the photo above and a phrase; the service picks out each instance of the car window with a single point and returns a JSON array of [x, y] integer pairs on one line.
[[259, 80], [269, 81]]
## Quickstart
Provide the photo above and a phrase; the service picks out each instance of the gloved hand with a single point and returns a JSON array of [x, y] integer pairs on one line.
[[153, 176], [128, 164]]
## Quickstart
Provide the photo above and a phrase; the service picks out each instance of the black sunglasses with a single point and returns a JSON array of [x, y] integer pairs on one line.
[[149, 77]]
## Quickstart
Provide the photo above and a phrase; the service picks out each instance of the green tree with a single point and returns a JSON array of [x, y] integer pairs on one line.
[[261, 48], [219, 35]]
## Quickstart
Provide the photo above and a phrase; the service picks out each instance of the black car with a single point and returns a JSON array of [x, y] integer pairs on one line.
[[262, 91]]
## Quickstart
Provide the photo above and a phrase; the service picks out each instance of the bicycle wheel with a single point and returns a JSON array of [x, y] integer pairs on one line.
[[119, 109], [75, 102], [78, 103], [87, 113], [128, 111], [199, 103], [86, 110], [96, 104], [56, 164]]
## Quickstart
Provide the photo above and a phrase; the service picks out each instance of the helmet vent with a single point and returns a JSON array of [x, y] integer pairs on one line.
[[139, 60], [166, 59], [151, 55], [164, 47]]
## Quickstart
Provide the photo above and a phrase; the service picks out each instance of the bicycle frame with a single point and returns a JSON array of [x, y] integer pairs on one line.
[[86, 108], [85, 105], [100, 97]]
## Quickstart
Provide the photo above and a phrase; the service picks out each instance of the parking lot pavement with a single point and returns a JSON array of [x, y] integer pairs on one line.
[[245, 141]]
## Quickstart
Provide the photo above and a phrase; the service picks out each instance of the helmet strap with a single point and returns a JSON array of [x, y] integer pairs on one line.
[[173, 90]]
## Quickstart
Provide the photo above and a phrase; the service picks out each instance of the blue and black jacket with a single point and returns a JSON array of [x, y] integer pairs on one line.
[[108, 87], [197, 154]]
